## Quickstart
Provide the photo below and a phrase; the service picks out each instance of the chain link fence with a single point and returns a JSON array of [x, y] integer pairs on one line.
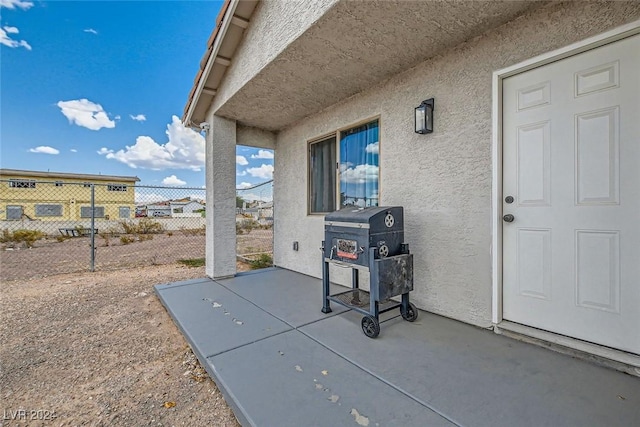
[[62, 227], [254, 224], [54, 227]]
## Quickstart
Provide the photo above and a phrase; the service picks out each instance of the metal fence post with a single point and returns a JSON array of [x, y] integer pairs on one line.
[[93, 229]]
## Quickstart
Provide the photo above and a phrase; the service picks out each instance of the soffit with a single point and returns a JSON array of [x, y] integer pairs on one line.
[[354, 46]]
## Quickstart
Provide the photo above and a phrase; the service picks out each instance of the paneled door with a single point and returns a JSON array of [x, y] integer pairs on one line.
[[571, 196]]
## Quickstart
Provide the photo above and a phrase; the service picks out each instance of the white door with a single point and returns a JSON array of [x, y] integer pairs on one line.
[[571, 153]]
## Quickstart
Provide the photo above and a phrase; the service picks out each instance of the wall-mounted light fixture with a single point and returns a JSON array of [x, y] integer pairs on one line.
[[424, 116]]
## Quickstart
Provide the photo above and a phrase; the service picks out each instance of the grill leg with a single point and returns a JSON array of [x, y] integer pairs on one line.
[[405, 302], [326, 307]]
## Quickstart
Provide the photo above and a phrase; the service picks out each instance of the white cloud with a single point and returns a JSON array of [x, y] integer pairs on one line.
[[44, 149], [243, 173], [264, 172], [184, 150], [138, 118], [241, 160], [373, 148], [173, 180], [9, 42], [259, 197], [90, 30], [85, 113], [243, 185], [263, 154], [360, 174], [12, 4], [73, 150]]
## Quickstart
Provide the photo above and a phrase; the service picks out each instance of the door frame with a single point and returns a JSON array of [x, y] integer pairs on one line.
[[590, 43]]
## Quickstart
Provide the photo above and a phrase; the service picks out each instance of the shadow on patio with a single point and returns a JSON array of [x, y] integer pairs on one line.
[[279, 361]]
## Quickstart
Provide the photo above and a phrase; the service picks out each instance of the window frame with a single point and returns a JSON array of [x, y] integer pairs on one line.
[[120, 208], [41, 215], [22, 183], [94, 209], [122, 188], [9, 207], [337, 135]]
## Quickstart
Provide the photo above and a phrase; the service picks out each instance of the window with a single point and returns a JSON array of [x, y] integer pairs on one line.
[[85, 212], [322, 176], [48, 210], [14, 213], [22, 183], [178, 210], [124, 212], [357, 171], [58, 183], [359, 163], [116, 187]]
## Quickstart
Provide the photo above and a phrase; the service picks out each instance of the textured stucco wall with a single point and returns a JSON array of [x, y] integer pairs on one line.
[[254, 137], [274, 25], [443, 180], [221, 198]]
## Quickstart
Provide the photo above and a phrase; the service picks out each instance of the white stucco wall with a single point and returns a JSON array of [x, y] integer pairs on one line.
[[444, 179], [221, 198], [274, 25]]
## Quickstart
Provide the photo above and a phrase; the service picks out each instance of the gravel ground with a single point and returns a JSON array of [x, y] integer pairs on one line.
[[100, 349]]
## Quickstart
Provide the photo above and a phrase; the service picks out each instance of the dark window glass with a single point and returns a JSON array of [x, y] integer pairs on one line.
[[322, 176]]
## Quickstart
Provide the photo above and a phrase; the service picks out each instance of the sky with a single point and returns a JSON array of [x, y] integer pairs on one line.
[[99, 87]]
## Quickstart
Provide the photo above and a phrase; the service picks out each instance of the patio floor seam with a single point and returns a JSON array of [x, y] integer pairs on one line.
[[328, 315], [252, 342], [357, 365], [384, 381]]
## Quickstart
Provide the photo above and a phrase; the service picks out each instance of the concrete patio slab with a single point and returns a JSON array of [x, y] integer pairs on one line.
[[297, 382], [214, 319], [480, 378], [431, 372], [292, 297]]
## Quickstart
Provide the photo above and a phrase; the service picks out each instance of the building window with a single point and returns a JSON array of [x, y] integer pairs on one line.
[[85, 212], [359, 166], [58, 184], [116, 187], [22, 183], [178, 210], [48, 210], [124, 212], [357, 169], [14, 213]]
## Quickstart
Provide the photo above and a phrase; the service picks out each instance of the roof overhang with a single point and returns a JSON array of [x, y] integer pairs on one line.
[[230, 25], [352, 47], [64, 175]]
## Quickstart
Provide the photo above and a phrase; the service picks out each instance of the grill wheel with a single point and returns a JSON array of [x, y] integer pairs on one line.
[[370, 326], [411, 314]]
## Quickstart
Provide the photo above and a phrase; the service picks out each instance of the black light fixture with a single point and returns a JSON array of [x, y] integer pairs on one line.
[[424, 116]]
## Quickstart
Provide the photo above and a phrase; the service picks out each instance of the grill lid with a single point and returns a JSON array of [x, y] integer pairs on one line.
[[380, 217]]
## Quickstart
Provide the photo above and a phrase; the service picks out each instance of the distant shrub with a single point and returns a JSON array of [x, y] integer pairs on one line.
[[193, 231], [125, 240], [263, 261], [143, 226], [28, 237], [192, 262], [143, 237]]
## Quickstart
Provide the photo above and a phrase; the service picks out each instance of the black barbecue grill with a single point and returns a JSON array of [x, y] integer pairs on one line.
[[370, 239]]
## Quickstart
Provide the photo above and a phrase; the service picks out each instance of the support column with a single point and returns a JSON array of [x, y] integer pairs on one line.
[[221, 198]]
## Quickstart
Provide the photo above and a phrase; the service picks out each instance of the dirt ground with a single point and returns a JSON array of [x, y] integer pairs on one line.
[[49, 256], [99, 349]]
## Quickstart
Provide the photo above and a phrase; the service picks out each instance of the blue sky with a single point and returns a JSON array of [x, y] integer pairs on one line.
[[100, 86]]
